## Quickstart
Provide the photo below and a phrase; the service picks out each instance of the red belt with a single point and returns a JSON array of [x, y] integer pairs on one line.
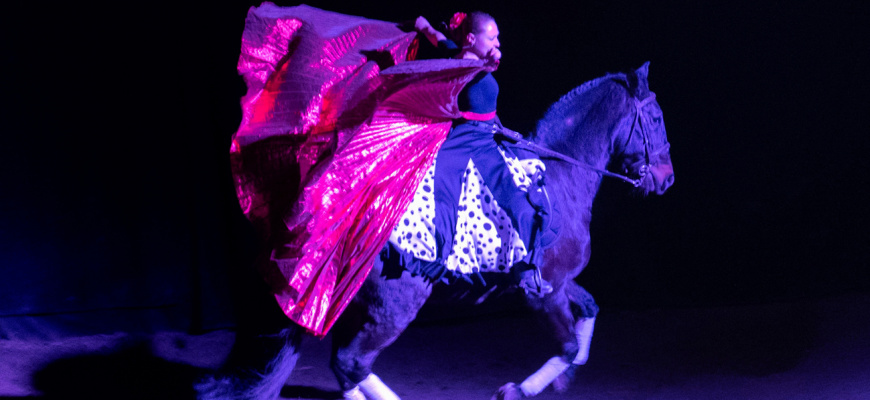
[[473, 116]]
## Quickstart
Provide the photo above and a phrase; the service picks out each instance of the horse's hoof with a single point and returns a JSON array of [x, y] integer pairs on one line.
[[509, 391]]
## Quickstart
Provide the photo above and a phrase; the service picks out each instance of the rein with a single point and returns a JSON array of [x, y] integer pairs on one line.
[[547, 153]]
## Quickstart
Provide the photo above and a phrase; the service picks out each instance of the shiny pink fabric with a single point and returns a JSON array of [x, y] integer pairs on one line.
[[331, 149]]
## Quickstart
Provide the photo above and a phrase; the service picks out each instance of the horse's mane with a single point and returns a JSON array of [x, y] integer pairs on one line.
[[582, 118], [567, 100]]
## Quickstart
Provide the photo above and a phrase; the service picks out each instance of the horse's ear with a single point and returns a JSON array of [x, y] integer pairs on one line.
[[643, 71], [640, 85]]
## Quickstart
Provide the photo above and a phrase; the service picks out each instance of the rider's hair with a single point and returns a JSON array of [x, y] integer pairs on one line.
[[472, 23]]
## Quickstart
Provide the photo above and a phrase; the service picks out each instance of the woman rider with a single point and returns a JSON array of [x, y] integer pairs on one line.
[[472, 138]]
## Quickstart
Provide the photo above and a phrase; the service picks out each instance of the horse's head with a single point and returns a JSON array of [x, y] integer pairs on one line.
[[612, 121], [640, 144]]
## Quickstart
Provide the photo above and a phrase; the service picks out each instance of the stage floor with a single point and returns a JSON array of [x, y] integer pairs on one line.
[[806, 350]]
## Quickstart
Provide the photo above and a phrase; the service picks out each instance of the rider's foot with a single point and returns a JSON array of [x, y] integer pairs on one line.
[[530, 280]]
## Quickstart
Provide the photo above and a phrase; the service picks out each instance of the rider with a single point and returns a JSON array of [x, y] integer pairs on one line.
[[475, 36]]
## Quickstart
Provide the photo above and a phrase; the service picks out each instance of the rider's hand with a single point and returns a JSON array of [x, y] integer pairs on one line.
[[495, 54], [422, 24]]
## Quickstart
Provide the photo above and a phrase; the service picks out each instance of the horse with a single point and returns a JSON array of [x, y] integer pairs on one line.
[[610, 123]]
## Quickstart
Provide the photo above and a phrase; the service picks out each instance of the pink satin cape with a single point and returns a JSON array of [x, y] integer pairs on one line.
[[331, 148]]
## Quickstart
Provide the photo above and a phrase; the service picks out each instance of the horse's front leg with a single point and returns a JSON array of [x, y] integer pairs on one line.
[[584, 311], [380, 312], [570, 312]]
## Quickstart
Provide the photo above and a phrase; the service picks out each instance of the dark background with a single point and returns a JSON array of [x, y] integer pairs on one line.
[[118, 210]]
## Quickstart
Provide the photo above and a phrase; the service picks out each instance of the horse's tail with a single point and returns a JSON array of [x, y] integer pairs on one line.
[[257, 368]]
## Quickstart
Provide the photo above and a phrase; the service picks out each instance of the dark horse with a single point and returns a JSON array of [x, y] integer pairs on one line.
[[610, 122]]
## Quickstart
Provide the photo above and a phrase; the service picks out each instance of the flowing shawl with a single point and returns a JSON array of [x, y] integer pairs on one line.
[[338, 129]]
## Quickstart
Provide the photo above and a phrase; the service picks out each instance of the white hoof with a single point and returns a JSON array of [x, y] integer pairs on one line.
[[354, 394], [536, 383], [583, 330], [374, 389]]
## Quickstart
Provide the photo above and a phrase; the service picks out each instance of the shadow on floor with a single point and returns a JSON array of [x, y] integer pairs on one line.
[[131, 372], [308, 392]]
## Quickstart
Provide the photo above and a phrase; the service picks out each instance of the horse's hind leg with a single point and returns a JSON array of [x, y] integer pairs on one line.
[[265, 350], [257, 367], [380, 312]]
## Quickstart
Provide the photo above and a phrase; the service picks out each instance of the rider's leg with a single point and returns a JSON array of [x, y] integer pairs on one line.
[[471, 142], [528, 218], [450, 169]]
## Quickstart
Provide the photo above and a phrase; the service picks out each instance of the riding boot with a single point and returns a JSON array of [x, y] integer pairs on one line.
[[528, 277], [527, 274], [540, 200]]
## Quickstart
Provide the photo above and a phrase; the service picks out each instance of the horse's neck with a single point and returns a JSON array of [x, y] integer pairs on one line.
[[587, 135], [595, 150], [573, 188]]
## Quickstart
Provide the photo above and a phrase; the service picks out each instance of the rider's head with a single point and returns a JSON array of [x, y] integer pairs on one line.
[[477, 34]]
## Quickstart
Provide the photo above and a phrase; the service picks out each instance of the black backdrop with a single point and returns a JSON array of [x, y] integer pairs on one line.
[[118, 211]]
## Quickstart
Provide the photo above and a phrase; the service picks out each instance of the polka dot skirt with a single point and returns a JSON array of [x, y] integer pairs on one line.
[[484, 238]]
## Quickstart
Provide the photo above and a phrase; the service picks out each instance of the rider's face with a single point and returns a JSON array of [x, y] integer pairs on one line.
[[484, 44]]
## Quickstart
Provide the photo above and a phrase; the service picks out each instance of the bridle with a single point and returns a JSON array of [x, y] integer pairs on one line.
[[648, 153]]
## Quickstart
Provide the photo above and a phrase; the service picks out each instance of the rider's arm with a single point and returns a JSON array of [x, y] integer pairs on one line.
[[423, 26]]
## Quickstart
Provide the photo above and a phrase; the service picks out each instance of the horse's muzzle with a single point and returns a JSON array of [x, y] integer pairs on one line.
[[662, 177]]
